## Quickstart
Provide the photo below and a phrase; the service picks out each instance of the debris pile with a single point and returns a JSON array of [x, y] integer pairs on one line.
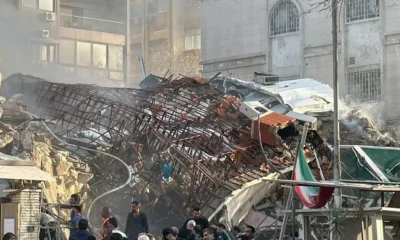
[[187, 142], [72, 175], [19, 136], [355, 129]]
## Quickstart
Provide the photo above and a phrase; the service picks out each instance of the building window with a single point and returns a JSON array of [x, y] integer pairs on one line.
[[163, 6], [361, 9], [83, 53], [47, 5], [96, 60], [47, 53], [364, 85], [193, 42], [100, 55], [115, 57], [67, 52], [284, 19]]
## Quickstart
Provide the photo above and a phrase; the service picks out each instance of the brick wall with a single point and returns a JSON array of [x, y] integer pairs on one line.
[[29, 213]]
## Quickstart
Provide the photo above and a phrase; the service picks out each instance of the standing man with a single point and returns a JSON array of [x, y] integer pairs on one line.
[[250, 232], [74, 200], [223, 233], [105, 214], [9, 236], [75, 220], [82, 233], [136, 222], [184, 233], [200, 220], [236, 231], [113, 227]]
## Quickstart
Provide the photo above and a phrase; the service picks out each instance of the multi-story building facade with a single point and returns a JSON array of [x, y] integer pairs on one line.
[[292, 39], [80, 41], [164, 32], [84, 41]]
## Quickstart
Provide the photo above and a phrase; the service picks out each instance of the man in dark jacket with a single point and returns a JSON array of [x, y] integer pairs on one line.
[[200, 220], [82, 233], [136, 222], [184, 233]]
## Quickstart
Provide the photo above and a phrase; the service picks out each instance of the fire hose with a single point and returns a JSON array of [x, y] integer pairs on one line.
[[90, 150]]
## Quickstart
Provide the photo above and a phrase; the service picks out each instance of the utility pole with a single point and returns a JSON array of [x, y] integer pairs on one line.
[[128, 43], [336, 130]]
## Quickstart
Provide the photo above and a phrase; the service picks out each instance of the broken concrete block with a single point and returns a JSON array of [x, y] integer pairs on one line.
[[73, 173], [63, 167], [2, 99], [83, 178], [26, 140], [40, 138]]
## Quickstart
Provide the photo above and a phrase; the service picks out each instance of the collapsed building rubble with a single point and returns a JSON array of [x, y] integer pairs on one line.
[[19, 137], [209, 138]]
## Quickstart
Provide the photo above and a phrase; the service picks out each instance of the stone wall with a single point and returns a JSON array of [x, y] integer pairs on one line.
[[71, 174]]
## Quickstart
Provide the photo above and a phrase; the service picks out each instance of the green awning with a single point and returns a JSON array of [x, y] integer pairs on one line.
[[383, 163], [387, 160]]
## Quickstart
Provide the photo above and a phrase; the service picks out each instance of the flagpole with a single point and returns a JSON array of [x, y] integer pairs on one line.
[[291, 198], [336, 129]]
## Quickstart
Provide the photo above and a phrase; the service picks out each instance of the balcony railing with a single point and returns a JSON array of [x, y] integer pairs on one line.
[[93, 24]]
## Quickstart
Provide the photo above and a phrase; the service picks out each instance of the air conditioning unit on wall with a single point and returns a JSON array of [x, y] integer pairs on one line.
[[50, 16], [45, 33]]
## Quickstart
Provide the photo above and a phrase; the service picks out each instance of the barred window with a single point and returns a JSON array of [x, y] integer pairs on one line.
[[284, 19], [361, 9], [364, 85]]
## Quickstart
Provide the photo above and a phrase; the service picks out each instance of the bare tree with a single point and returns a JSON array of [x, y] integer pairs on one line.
[[164, 59]]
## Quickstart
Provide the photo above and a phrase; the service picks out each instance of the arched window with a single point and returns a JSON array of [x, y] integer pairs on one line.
[[284, 19], [361, 9]]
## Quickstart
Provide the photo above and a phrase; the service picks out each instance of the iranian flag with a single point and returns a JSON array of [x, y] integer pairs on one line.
[[311, 197], [302, 172]]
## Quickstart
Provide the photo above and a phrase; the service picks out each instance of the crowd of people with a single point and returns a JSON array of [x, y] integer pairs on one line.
[[137, 227]]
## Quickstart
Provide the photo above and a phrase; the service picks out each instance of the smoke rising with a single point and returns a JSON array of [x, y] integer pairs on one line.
[[19, 47]]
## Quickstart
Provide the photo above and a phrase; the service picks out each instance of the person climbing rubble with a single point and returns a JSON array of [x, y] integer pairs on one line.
[[200, 220], [136, 222]]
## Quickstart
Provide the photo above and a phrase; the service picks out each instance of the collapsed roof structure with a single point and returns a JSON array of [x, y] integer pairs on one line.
[[189, 141]]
